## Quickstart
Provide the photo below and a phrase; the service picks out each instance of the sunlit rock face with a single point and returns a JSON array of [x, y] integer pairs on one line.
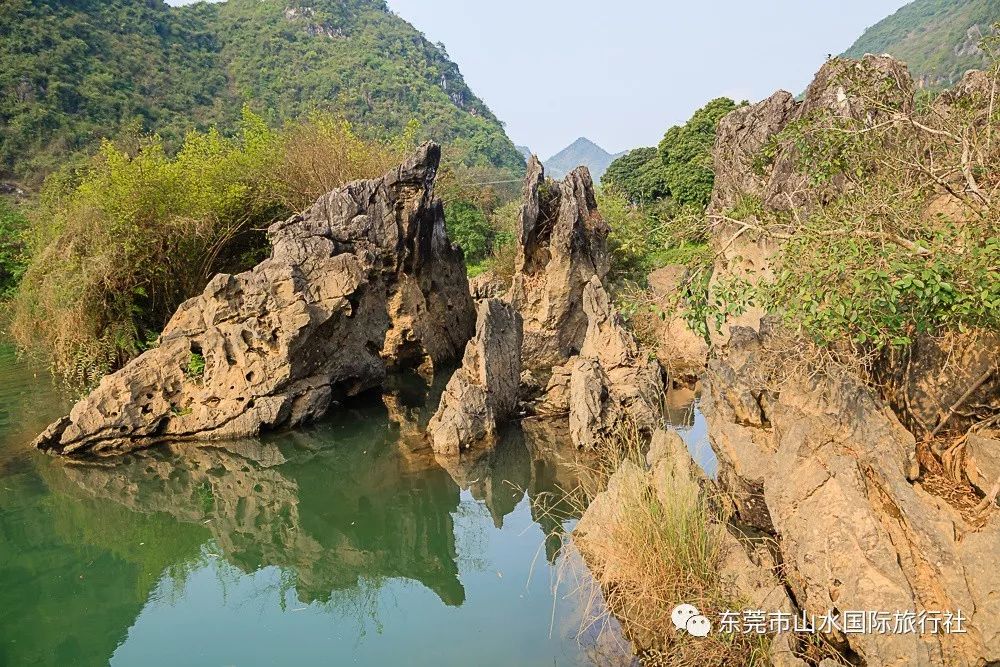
[[562, 244], [483, 393], [580, 362], [819, 460], [362, 282]]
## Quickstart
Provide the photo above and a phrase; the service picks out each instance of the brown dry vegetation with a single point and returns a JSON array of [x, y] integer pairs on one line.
[[116, 248], [660, 548]]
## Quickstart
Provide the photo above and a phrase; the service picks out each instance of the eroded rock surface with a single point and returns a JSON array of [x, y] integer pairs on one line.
[[682, 352], [823, 465], [483, 393], [362, 281], [610, 381], [562, 244]]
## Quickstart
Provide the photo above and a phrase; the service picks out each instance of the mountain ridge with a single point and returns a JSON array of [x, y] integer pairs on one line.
[[938, 39], [79, 71], [582, 151]]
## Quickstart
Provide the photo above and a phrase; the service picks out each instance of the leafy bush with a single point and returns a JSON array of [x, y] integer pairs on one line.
[[686, 153], [115, 249], [644, 238], [899, 238], [469, 228], [680, 168], [12, 251]]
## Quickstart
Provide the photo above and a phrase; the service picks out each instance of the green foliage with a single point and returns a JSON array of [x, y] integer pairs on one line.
[[196, 366], [117, 247], [880, 294], [679, 168], [932, 37], [638, 175], [899, 238], [76, 72], [468, 227], [12, 251], [644, 238], [686, 153]]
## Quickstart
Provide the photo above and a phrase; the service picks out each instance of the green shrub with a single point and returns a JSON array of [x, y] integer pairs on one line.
[[644, 238], [117, 247], [13, 257], [469, 228]]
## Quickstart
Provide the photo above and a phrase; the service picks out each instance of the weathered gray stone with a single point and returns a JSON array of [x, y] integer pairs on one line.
[[362, 281], [562, 244], [611, 379], [483, 393]]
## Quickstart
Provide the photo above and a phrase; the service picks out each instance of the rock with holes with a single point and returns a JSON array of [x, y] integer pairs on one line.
[[363, 281], [562, 244], [823, 463], [483, 393]]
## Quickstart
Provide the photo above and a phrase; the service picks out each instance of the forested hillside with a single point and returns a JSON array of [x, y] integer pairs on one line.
[[77, 71], [938, 39]]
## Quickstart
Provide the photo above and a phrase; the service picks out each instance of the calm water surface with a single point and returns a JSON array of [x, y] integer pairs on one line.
[[344, 544]]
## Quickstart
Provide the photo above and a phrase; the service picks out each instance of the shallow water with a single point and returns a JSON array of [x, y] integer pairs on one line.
[[345, 543]]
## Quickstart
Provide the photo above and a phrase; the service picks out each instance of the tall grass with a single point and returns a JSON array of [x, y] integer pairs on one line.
[[658, 542], [115, 248]]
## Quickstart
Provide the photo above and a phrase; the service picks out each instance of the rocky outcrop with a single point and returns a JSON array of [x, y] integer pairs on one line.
[[562, 244], [680, 350], [483, 393], [757, 169], [363, 281], [746, 571], [827, 466], [610, 381]]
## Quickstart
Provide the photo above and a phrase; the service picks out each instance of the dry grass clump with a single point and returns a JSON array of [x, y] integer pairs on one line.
[[652, 547]]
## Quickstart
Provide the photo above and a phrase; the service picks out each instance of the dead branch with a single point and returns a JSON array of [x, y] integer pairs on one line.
[[980, 381]]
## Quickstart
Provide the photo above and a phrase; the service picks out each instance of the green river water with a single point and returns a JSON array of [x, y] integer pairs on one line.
[[342, 544]]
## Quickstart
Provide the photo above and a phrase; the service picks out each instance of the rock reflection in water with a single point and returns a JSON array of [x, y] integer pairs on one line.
[[355, 500]]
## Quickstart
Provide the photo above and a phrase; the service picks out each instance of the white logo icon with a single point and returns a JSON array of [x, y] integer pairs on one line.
[[699, 626], [681, 614], [687, 617]]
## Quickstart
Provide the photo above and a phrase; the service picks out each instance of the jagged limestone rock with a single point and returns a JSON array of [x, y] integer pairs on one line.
[[562, 244], [362, 281], [827, 464], [746, 179], [611, 380], [483, 393]]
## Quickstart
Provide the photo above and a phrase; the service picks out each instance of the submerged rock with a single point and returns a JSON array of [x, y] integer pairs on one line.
[[483, 393], [562, 244], [362, 281]]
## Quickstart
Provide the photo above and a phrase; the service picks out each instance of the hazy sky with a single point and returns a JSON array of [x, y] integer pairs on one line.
[[620, 72]]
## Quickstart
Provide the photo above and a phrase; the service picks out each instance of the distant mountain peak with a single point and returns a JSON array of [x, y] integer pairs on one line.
[[583, 152]]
